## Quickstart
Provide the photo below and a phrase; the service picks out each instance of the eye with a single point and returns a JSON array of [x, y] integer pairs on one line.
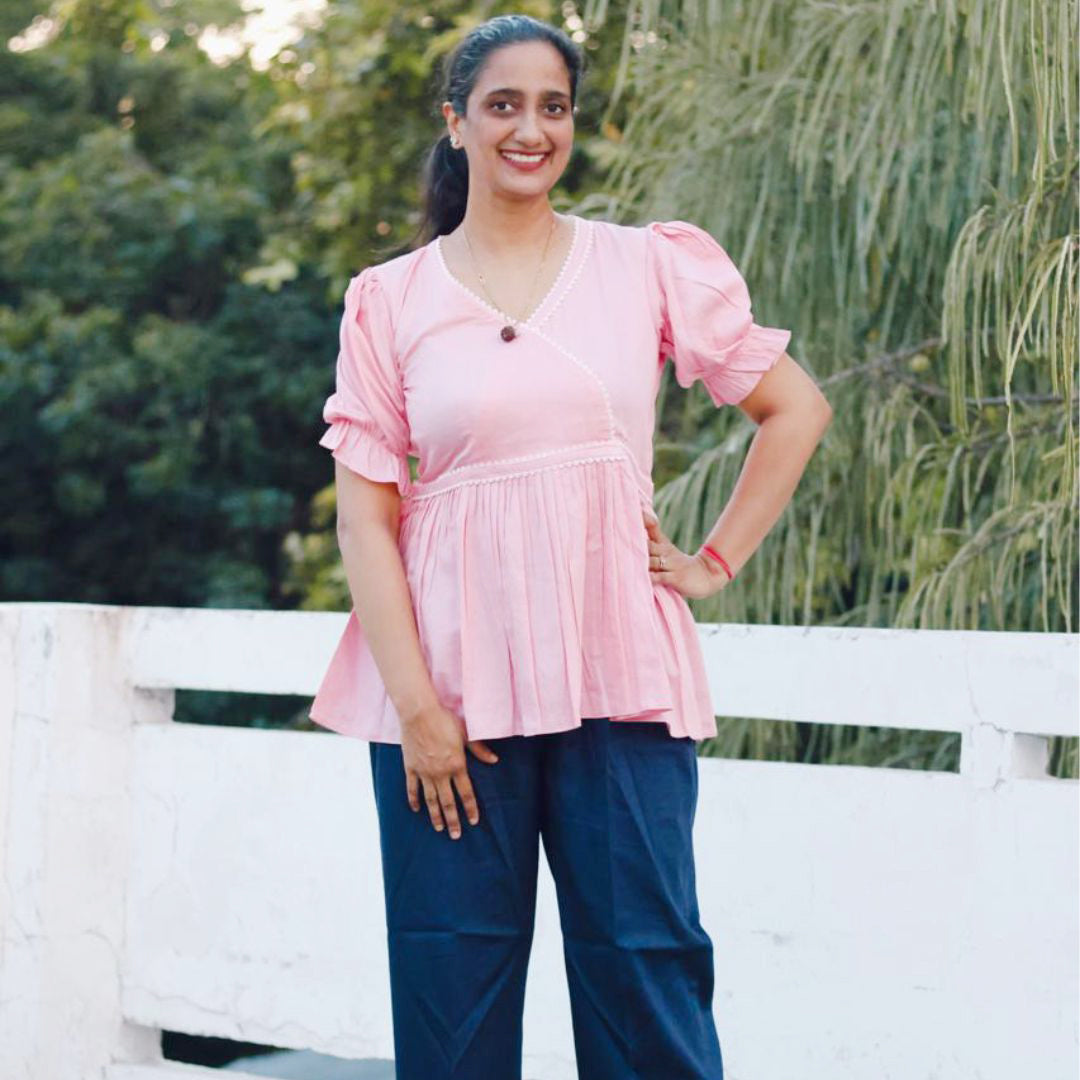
[[562, 108]]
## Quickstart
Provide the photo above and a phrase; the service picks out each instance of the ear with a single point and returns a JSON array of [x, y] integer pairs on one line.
[[451, 118]]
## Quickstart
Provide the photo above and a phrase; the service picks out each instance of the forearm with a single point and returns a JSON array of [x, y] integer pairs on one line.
[[380, 594], [774, 464]]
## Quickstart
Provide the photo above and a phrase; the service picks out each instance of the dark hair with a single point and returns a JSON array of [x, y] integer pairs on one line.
[[446, 170]]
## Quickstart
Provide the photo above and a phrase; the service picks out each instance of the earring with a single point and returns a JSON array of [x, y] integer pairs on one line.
[[454, 142]]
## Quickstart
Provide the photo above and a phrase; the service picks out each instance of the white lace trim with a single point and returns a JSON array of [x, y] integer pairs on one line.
[[612, 426], [568, 259], [415, 496], [522, 457], [570, 284]]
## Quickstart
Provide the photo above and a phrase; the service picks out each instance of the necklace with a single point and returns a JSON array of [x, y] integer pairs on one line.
[[509, 331]]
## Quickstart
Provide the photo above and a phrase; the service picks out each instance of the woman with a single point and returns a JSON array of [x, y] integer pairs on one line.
[[520, 601]]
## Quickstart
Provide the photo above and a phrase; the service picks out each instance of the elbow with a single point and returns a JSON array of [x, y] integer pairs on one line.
[[810, 410], [816, 406]]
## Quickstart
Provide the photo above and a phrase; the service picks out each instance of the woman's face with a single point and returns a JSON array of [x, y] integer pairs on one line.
[[520, 104]]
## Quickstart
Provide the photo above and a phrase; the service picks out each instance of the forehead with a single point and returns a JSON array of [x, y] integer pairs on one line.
[[528, 66]]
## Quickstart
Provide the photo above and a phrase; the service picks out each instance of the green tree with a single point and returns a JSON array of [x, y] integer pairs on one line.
[[158, 412], [897, 182]]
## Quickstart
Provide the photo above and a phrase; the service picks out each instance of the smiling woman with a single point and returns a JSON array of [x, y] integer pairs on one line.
[[554, 103], [515, 132], [520, 637]]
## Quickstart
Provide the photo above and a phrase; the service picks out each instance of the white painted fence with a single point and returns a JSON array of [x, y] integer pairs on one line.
[[868, 924]]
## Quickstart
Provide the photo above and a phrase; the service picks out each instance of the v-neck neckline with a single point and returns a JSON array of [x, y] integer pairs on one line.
[[548, 297]]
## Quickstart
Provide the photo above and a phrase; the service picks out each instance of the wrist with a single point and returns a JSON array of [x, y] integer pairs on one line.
[[717, 574], [413, 709]]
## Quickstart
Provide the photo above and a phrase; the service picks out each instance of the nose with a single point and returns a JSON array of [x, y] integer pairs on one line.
[[528, 131]]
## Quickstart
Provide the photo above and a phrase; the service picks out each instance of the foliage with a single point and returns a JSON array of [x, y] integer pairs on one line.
[[151, 402], [897, 182]]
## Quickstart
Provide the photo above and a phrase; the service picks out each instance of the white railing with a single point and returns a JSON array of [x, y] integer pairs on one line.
[[867, 923]]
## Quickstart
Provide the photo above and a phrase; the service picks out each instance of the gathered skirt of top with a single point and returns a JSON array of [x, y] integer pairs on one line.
[[585, 632]]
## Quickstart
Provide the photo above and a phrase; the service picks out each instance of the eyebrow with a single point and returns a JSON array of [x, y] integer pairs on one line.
[[517, 93]]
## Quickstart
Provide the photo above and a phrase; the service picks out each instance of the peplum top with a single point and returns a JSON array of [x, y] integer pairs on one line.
[[522, 536]]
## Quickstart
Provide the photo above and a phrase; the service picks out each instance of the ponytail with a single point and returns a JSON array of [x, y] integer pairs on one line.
[[446, 185]]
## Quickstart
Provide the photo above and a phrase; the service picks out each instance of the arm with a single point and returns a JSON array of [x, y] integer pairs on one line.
[[792, 416], [368, 513], [432, 744], [369, 436]]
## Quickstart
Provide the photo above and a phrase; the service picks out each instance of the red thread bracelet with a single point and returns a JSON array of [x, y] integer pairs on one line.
[[720, 559]]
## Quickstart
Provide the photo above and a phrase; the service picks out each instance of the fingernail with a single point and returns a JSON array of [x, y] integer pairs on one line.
[[455, 833], [474, 820]]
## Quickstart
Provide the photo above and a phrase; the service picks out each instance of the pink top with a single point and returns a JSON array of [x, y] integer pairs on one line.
[[522, 538]]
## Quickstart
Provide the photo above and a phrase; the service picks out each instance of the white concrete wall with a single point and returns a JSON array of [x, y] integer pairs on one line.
[[868, 924], [68, 719]]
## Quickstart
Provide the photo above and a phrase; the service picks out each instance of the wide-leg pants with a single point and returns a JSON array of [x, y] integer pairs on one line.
[[614, 802]]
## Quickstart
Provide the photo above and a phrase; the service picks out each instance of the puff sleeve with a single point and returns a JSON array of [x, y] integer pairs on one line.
[[706, 323], [368, 430]]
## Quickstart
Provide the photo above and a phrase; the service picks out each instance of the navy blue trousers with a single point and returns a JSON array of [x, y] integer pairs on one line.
[[614, 803]]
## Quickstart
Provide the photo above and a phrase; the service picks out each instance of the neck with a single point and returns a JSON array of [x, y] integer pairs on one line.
[[505, 228]]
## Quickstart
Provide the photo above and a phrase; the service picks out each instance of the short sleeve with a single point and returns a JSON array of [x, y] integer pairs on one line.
[[368, 431], [706, 323]]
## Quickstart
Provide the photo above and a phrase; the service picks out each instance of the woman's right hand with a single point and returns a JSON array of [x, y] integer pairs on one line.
[[433, 750]]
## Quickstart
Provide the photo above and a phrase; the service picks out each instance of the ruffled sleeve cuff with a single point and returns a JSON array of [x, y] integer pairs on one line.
[[360, 450], [744, 365]]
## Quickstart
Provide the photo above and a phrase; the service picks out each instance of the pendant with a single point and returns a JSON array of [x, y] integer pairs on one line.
[[508, 333]]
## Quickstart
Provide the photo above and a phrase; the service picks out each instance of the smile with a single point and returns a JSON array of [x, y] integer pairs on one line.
[[523, 160]]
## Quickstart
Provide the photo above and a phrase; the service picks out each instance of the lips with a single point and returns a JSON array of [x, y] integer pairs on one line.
[[526, 163]]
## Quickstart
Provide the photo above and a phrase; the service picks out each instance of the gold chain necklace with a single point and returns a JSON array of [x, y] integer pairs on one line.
[[509, 331]]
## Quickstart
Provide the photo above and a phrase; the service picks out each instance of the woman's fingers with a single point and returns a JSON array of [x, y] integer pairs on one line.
[[652, 529], [482, 751], [433, 753], [449, 806], [657, 543], [431, 797], [442, 807], [468, 797], [412, 789]]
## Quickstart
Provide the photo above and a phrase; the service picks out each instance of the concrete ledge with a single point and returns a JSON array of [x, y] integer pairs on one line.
[[172, 1070]]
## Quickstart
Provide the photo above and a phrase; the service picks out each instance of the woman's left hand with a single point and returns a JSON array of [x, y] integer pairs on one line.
[[688, 574]]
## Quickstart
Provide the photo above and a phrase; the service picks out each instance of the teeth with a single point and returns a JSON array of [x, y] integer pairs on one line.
[[529, 159]]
